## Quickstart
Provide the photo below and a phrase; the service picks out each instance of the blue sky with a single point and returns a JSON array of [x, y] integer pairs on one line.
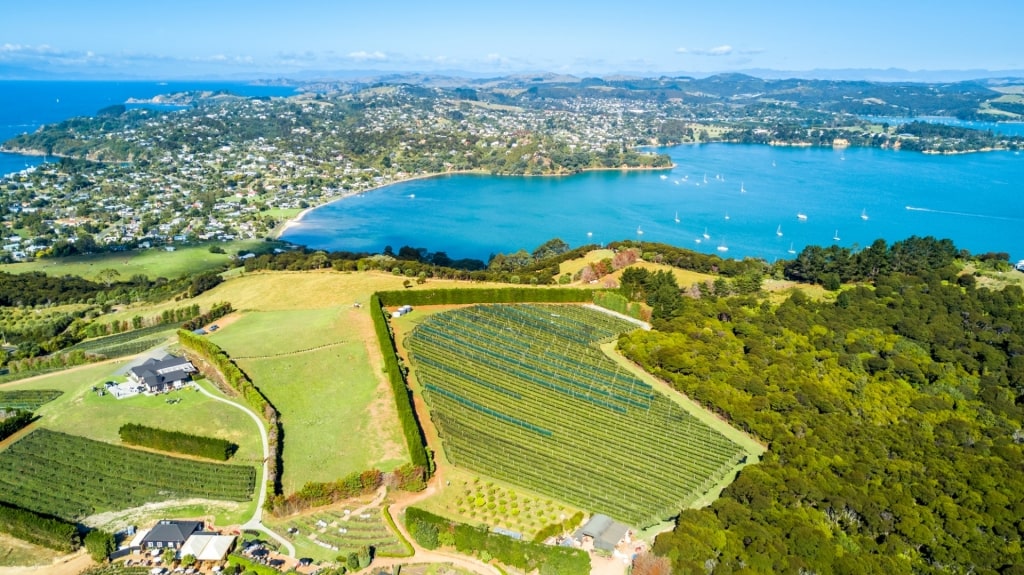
[[257, 38]]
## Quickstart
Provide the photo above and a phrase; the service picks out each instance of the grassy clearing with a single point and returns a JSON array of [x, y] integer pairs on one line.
[[779, 290], [153, 263], [18, 553], [314, 367], [684, 278], [573, 266], [472, 498]]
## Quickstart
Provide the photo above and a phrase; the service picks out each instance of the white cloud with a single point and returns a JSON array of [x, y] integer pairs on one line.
[[723, 50], [363, 55]]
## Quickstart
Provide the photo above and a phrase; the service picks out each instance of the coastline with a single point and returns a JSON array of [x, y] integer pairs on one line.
[[297, 220]]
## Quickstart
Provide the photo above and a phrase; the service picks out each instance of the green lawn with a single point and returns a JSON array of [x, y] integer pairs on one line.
[[338, 414], [153, 262]]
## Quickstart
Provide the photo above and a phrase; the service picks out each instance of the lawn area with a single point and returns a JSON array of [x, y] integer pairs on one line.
[[314, 366], [153, 262]]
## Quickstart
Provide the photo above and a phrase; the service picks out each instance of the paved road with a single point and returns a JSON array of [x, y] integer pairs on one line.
[[256, 521]]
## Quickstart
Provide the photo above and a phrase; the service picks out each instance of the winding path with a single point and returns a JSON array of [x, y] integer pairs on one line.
[[256, 521], [421, 555]]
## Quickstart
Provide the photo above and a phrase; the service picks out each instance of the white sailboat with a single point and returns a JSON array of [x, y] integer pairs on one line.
[[778, 231], [722, 247], [742, 189], [801, 216], [706, 236], [791, 250], [639, 232], [663, 176], [727, 215], [705, 177], [677, 217], [836, 236], [864, 215]]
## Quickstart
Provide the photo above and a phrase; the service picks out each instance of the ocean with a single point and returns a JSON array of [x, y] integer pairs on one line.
[[747, 199], [25, 106]]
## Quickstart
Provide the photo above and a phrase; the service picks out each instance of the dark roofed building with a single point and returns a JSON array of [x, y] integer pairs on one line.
[[605, 531], [162, 374], [170, 534]]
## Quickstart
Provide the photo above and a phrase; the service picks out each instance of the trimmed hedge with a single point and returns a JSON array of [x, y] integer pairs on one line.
[[177, 442], [414, 438], [488, 295], [12, 424], [39, 529], [238, 380]]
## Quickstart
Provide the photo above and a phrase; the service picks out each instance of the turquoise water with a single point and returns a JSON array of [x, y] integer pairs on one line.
[[974, 199]]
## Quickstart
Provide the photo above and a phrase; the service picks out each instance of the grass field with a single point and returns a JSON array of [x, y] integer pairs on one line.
[[153, 263], [15, 552], [313, 365]]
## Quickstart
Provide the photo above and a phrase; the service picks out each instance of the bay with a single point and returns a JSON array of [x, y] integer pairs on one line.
[[857, 195]]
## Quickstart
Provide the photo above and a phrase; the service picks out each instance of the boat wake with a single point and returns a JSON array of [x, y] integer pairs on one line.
[[965, 214]]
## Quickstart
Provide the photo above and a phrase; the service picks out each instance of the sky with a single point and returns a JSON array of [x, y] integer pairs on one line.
[[258, 38]]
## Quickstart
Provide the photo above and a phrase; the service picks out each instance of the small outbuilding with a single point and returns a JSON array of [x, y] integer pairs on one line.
[[208, 546], [604, 531]]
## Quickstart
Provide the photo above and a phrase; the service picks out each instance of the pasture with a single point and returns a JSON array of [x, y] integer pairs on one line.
[[153, 262], [314, 366]]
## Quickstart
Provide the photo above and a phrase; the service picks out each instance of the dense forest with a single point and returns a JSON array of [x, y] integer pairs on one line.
[[893, 415]]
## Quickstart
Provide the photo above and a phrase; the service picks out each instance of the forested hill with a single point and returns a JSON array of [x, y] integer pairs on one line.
[[893, 416]]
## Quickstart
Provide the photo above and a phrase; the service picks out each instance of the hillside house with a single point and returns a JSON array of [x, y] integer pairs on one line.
[[170, 534], [165, 374]]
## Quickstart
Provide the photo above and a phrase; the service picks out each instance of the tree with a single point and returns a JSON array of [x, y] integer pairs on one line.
[[650, 564], [108, 275], [188, 560], [168, 556], [100, 544]]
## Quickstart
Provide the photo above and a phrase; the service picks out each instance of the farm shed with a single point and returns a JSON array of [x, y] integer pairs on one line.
[[605, 531], [208, 546]]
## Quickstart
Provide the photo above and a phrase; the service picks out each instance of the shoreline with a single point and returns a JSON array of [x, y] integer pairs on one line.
[[283, 227]]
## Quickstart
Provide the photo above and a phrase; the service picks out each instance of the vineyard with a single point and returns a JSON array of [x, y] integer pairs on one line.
[[72, 477], [126, 343], [328, 534], [522, 393], [27, 399]]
